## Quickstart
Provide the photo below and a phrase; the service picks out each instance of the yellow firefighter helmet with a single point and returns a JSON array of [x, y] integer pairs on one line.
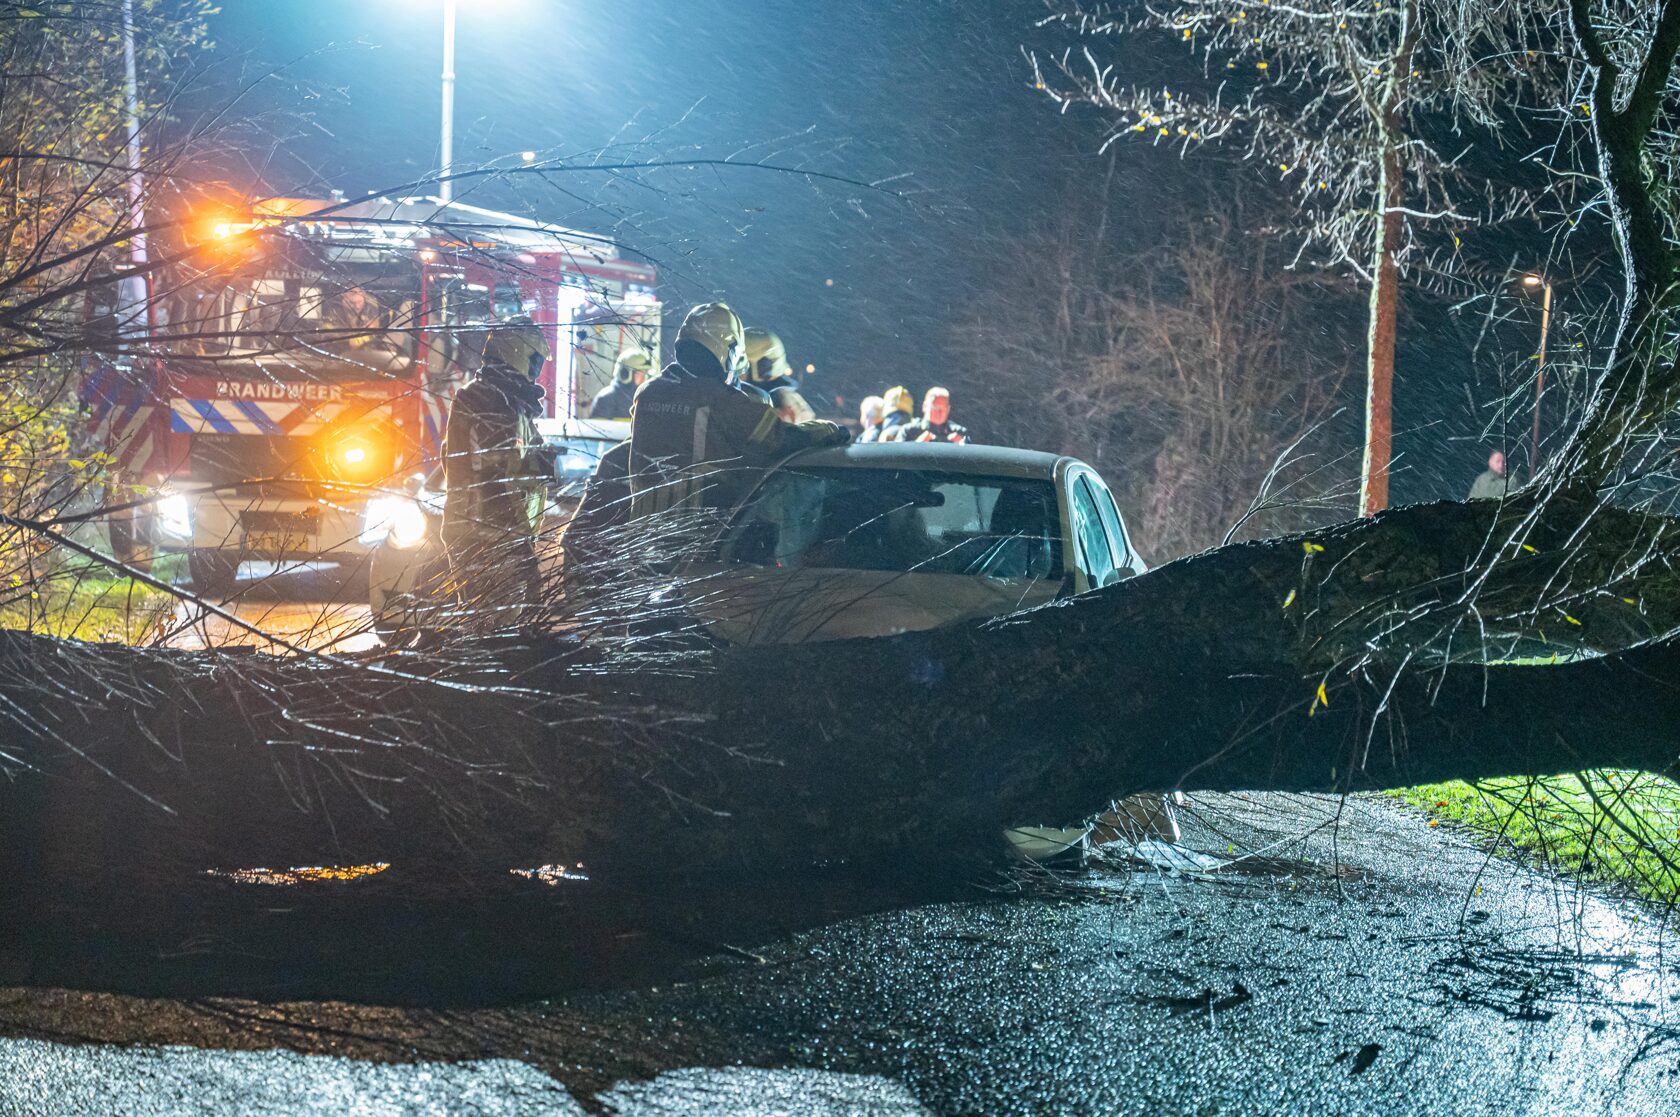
[[718, 330], [518, 343], [898, 399], [766, 356], [630, 361]]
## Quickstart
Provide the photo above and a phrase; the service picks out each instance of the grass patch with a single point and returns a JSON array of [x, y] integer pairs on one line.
[[1610, 827], [90, 602]]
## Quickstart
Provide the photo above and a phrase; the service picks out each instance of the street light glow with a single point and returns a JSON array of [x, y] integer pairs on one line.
[[1532, 280], [528, 156]]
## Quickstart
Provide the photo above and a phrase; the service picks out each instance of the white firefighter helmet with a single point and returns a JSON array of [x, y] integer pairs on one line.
[[766, 356], [518, 343], [631, 360], [718, 330]]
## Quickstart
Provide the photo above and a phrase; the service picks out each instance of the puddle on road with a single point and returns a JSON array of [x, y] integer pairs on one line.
[[552, 875], [49, 1079], [308, 874], [754, 1092]]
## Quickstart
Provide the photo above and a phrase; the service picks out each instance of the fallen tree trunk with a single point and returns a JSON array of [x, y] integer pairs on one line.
[[1229, 670]]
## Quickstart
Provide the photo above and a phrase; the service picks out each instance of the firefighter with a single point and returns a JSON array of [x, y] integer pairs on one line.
[[604, 507], [769, 371], [935, 424], [496, 469], [695, 441], [630, 372], [355, 309]]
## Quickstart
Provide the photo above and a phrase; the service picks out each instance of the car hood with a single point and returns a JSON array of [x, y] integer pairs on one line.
[[758, 605]]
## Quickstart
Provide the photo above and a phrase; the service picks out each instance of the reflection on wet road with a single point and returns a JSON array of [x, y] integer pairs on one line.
[[1386, 968], [317, 606], [48, 1078]]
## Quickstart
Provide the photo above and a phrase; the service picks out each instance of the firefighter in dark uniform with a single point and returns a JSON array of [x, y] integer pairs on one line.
[[496, 471], [630, 371], [695, 441], [769, 371]]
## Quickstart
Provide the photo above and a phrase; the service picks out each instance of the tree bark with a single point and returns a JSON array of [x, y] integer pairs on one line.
[[1636, 389], [1385, 274]]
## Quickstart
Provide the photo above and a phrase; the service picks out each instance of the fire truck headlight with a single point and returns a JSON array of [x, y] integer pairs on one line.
[[397, 519], [408, 525], [174, 516]]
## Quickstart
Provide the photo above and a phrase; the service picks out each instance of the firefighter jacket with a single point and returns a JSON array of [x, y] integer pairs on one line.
[[696, 442], [495, 465], [613, 401], [605, 505]]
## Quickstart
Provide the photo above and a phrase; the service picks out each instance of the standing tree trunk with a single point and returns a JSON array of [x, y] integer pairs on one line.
[[1385, 278], [1379, 360]]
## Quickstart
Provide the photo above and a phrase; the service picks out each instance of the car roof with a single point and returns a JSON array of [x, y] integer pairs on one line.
[[944, 457]]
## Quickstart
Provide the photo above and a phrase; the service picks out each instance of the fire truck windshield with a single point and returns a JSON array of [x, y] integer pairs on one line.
[[334, 324]]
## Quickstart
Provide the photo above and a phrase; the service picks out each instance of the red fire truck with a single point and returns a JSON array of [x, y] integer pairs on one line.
[[302, 363]]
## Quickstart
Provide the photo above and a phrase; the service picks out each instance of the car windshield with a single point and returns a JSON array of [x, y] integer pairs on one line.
[[899, 520]]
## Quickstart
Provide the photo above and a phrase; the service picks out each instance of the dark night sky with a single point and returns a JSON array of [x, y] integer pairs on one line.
[[932, 94], [933, 91]]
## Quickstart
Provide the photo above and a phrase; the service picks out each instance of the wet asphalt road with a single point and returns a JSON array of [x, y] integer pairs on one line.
[[317, 606], [1380, 967]]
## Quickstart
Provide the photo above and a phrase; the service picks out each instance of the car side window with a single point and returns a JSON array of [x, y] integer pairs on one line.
[[1124, 560], [1094, 554]]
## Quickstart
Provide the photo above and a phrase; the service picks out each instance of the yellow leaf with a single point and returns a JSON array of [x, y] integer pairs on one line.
[[1262, 65], [1290, 600], [1570, 619], [1312, 548], [1529, 549], [1323, 695]]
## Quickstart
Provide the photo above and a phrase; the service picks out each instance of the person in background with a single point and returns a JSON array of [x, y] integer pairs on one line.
[[630, 372], [1492, 484], [935, 424], [869, 418], [354, 309], [897, 409]]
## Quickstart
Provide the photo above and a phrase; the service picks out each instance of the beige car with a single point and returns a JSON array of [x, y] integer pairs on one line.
[[884, 538]]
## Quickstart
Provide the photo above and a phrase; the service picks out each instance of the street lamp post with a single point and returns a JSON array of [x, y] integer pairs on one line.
[[448, 133], [136, 293], [1532, 281]]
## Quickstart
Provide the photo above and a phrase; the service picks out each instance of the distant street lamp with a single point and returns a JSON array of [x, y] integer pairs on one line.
[[448, 136], [1533, 280]]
